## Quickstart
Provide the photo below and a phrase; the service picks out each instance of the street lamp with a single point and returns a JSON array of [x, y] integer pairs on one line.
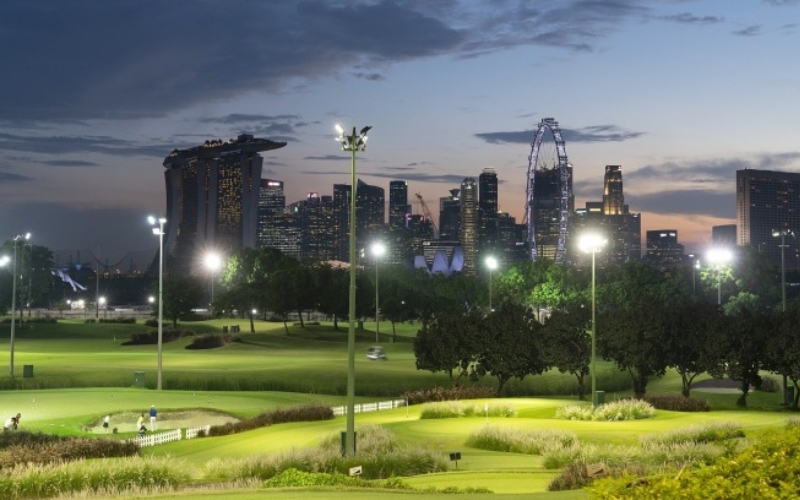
[[783, 233], [491, 264], [101, 302], [18, 237], [378, 249], [593, 243], [719, 257], [213, 263], [352, 143], [159, 231]]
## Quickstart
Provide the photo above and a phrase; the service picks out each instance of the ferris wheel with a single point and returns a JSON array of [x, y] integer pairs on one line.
[[548, 156]]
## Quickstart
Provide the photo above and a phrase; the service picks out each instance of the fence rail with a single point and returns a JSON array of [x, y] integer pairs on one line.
[[369, 407], [193, 432], [158, 438]]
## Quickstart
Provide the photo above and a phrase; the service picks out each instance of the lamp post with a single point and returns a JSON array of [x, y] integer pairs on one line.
[[378, 249], [719, 257], [352, 143], [18, 237], [101, 302], [491, 264], [783, 233], [159, 231], [593, 243], [213, 263]]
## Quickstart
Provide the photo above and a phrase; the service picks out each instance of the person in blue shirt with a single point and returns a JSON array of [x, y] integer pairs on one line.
[[153, 415]]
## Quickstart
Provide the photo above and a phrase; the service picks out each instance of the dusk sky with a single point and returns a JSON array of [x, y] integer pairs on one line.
[[681, 93]]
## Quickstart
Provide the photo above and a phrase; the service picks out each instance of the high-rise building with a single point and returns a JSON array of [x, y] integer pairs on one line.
[[212, 199], [613, 198], [487, 208], [317, 226], [766, 202], [398, 204], [450, 216], [341, 222], [663, 250], [370, 213], [546, 210], [724, 235], [469, 224], [271, 202]]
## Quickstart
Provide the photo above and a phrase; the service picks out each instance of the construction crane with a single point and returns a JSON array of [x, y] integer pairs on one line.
[[427, 213]]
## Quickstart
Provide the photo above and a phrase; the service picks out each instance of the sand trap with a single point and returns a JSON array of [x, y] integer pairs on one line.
[[167, 420]]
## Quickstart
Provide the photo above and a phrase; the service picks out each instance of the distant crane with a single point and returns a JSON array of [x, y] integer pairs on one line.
[[427, 214]]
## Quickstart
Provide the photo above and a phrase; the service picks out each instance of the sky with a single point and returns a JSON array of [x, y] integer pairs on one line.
[[680, 93]]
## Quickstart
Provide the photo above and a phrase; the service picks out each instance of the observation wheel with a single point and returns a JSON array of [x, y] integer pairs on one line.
[[548, 204]]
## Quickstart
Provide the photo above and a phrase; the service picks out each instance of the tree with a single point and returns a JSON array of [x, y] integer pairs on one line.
[[568, 344], [181, 295], [783, 350], [510, 344], [448, 343]]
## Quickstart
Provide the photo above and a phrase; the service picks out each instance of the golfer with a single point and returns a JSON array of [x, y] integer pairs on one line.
[[153, 415]]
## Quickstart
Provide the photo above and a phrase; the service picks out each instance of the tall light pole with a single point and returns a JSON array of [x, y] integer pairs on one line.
[[491, 264], [352, 143], [159, 231], [97, 285], [593, 243], [18, 237], [213, 263], [378, 249], [719, 257], [783, 233]]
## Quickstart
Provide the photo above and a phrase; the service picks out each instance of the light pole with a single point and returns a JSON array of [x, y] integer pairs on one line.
[[783, 233], [491, 264], [378, 249], [719, 257], [159, 231], [213, 263], [18, 237], [593, 243], [352, 143], [101, 302]]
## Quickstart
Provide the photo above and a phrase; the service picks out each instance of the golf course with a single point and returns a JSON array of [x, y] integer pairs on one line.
[[78, 372]]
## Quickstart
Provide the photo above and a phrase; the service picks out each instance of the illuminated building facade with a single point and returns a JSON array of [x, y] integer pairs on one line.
[[469, 224]]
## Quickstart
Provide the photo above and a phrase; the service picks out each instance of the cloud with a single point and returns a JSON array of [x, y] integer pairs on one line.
[[753, 30], [118, 60], [69, 163], [81, 144], [719, 171], [688, 18], [780, 3], [594, 133], [685, 202], [6, 177]]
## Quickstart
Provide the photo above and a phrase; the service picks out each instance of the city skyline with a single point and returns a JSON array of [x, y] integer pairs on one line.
[[680, 93]]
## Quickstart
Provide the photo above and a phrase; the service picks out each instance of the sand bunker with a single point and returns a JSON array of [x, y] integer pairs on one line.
[[167, 420]]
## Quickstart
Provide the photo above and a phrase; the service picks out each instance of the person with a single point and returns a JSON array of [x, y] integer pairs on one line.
[[140, 425], [153, 415], [12, 423], [106, 420]]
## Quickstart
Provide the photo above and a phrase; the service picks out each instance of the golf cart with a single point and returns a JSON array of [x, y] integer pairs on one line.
[[376, 353]]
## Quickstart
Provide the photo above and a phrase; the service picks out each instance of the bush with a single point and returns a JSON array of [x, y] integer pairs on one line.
[[120, 320], [38, 449], [457, 409], [769, 384], [450, 394], [212, 341], [151, 337], [152, 323], [624, 409], [678, 403], [717, 432], [531, 442], [306, 413]]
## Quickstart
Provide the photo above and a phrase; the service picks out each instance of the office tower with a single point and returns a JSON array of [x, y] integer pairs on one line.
[[317, 224], [768, 201], [450, 216], [613, 199], [398, 204], [469, 224], [663, 250], [285, 232], [271, 202], [341, 222], [370, 214], [546, 209], [724, 235], [487, 208], [212, 199]]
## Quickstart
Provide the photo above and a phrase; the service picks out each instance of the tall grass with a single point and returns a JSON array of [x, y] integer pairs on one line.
[[624, 409], [108, 477], [458, 409], [714, 432], [530, 442]]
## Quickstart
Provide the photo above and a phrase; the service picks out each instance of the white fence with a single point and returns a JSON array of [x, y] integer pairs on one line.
[[169, 436], [368, 407]]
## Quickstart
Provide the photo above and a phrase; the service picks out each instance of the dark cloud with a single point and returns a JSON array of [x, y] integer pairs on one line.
[[753, 30], [69, 163], [81, 144], [6, 177], [594, 133], [711, 171], [130, 59], [688, 18], [373, 77], [685, 202], [450, 179]]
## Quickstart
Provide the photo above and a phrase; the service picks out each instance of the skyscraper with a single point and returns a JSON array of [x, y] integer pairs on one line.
[[341, 222], [398, 204], [487, 208], [663, 249], [469, 224], [370, 213], [768, 201], [613, 199], [271, 202], [450, 216], [547, 193], [212, 199]]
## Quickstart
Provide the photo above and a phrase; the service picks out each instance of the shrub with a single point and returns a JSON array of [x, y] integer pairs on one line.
[[457, 409], [120, 320], [717, 432], [306, 413], [624, 409], [212, 341], [39, 450], [151, 337], [448, 394], [25, 438], [531, 442], [769, 384], [678, 403], [152, 323]]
